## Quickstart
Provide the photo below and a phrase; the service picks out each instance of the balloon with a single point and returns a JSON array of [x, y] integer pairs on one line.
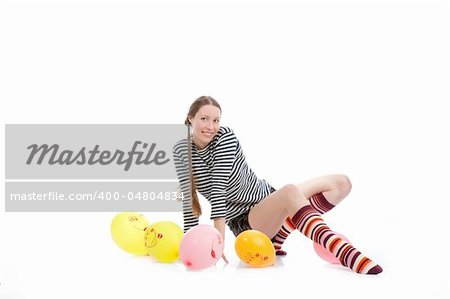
[[162, 240], [201, 247], [255, 249], [324, 254], [128, 230]]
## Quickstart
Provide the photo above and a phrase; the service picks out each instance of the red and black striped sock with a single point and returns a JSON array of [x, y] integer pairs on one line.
[[309, 222], [281, 236], [318, 202]]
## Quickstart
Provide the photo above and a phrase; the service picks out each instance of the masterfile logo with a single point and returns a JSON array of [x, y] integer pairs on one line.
[[67, 157], [82, 151], [84, 167]]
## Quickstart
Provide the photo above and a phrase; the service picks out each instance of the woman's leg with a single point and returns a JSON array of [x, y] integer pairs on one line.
[[323, 193], [268, 215], [333, 187]]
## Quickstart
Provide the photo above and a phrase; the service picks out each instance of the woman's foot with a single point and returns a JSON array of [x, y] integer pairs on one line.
[[280, 252]]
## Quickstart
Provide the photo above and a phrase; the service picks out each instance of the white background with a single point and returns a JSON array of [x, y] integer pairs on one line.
[[310, 88]]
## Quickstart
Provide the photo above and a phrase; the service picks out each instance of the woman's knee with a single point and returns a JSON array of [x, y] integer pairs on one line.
[[292, 195], [343, 184]]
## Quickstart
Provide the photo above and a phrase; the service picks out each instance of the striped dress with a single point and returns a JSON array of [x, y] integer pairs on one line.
[[222, 176]]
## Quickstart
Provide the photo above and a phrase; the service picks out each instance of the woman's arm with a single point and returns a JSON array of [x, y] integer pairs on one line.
[[219, 224]]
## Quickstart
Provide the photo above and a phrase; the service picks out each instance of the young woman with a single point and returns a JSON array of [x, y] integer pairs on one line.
[[211, 162]]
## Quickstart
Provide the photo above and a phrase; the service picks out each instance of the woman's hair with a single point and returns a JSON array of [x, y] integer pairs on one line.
[[196, 105]]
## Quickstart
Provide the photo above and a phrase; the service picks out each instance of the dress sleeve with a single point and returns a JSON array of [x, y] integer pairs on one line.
[[181, 165], [223, 159]]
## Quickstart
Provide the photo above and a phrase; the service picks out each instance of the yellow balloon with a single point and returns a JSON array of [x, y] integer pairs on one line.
[[162, 240], [255, 249], [128, 232]]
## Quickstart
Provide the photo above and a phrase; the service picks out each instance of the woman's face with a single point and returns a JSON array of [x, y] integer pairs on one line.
[[205, 124]]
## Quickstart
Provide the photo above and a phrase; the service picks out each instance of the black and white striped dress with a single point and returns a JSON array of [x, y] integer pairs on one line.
[[222, 176]]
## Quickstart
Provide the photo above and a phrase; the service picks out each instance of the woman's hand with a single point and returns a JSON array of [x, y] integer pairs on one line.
[[219, 224], [224, 258]]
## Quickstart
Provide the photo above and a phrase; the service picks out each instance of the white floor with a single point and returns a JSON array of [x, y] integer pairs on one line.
[[57, 255], [317, 87]]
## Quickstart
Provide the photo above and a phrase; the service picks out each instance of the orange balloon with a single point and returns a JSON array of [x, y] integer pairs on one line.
[[255, 249]]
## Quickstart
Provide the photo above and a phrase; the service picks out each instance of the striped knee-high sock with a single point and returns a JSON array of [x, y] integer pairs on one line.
[[309, 222], [318, 202], [281, 236]]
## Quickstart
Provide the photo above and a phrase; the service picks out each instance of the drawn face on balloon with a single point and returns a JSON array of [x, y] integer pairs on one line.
[[128, 231], [138, 221], [201, 247], [255, 249], [162, 240], [152, 236], [255, 258], [216, 247]]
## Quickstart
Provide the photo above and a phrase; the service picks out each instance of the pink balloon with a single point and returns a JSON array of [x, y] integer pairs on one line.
[[201, 247], [325, 254]]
